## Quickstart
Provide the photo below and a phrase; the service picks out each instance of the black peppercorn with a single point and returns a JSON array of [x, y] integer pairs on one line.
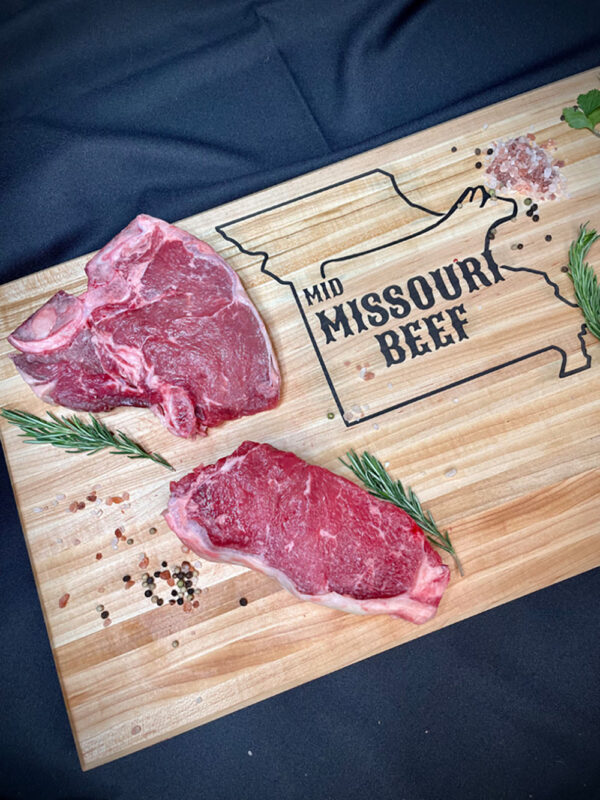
[[104, 615], [454, 149], [489, 151], [548, 238], [519, 246], [160, 601], [478, 165], [174, 592], [164, 563], [180, 601], [243, 601], [536, 218], [157, 574], [148, 593], [477, 151], [126, 578]]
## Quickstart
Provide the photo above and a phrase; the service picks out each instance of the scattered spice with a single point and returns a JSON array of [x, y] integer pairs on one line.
[[478, 165], [98, 556], [129, 584], [135, 730], [535, 218], [104, 615], [453, 149], [100, 609], [174, 643], [106, 623], [477, 151], [144, 562], [73, 506], [520, 165], [126, 578], [243, 601], [129, 541], [152, 531], [330, 415], [64, 600], [548, 237]]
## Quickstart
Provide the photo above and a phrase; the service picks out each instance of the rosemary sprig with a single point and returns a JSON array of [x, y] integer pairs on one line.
[[377, 481], [75, 435], [585, 282]]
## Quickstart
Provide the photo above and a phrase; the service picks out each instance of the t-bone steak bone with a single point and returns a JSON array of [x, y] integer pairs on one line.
[[321, 536], [164, 323]]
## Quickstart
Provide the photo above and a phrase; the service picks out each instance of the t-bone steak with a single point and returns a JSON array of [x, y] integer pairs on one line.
[[164, 323], [321, 536]]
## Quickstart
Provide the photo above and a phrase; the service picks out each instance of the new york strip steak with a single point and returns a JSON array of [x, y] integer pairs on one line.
[[321, 536], [164, 323]]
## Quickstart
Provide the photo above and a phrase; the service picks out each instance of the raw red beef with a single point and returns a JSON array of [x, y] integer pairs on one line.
[[164, 323], [321, 536]]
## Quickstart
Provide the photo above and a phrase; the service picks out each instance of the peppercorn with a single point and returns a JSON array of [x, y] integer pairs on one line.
[[528, 201], [157, 574], [171, 602], [489, 151], [148, 593], [454, 149], [126, 578], [104, 614], [564, 269], [548, 238], [174, 592], [529, 213], [477, 151], [180, 601], [536, 218], [243, 601], [164, 564], [160, 601], [519, 246], [478, 165]]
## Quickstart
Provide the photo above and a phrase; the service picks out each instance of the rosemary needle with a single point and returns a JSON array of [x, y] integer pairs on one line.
[[75, 435], [378, 483], [585, 282]]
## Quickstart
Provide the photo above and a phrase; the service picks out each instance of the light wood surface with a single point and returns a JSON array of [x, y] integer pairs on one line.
[[508, 460]]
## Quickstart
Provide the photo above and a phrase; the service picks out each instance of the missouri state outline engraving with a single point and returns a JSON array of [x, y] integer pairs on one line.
[[401, 302]]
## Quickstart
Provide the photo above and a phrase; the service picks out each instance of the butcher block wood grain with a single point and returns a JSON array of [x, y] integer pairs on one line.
[[485, 400]]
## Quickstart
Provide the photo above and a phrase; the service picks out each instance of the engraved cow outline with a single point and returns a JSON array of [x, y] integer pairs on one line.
[[468, 195]]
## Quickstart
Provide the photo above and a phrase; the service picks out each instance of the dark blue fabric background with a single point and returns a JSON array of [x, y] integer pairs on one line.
[[109, 108]]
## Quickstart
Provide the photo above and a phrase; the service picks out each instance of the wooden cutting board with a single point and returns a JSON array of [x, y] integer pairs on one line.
[[397, 332]]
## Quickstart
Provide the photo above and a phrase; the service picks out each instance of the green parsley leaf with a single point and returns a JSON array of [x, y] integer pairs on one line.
[[589, 102], [587, 115], [577, 119]]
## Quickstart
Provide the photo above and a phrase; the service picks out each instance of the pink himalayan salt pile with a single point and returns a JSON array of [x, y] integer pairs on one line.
[[519, 165]]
